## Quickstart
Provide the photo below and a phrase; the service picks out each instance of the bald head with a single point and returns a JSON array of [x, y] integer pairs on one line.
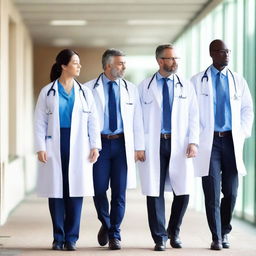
[[219, 53], [217, 44]]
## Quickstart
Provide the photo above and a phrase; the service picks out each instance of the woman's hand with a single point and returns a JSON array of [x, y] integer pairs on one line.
[[42, 156]]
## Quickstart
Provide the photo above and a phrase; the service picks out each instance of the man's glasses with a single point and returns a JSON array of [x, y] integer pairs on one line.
[[170, 58], [226, 51]]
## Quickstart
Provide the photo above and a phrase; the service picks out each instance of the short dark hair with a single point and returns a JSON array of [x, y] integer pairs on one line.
[[161, 48], [108, 54]]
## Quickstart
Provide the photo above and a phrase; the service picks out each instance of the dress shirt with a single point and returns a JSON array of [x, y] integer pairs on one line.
[[160, 83], [116, 87], [227, 115]]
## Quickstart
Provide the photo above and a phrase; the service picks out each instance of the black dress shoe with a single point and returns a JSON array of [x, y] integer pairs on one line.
[[160, 246], [225, 242], [114, 244], [175, 242], [69, 246], [216, 245], [103, 236], [57, 246]]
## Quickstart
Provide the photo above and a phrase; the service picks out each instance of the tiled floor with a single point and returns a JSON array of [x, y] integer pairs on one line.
[[28, 232]]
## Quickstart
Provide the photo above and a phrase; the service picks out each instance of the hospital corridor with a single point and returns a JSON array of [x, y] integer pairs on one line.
[[133, 65]]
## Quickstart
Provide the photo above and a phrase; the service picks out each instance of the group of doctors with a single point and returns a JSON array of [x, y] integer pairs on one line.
[[88, 137]]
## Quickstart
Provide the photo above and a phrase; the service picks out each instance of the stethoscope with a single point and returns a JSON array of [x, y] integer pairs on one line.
[[53, 91], [178, 83], [204, 88], [125, 85]]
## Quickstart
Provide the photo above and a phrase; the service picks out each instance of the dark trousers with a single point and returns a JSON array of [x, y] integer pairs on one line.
[[111, 166], [66, 211], [156, 205], [223, 178]]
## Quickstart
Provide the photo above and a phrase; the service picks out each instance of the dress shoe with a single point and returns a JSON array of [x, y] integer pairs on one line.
[[225, 242], [69, 246], [103, 236], [57, 246], [175, 242], [160, 246], [114, 244], [216, 245]]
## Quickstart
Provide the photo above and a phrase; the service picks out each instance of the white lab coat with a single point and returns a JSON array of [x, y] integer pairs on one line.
[[132, 121], [185, 130], [85, 134], [242, 118]]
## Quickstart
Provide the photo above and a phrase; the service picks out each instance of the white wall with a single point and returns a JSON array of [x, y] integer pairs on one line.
[[17, 160]]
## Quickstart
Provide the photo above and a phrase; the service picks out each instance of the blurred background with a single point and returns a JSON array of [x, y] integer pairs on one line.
[[32, 32]]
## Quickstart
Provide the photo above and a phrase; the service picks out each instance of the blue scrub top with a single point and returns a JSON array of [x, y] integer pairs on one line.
[[66, 103]]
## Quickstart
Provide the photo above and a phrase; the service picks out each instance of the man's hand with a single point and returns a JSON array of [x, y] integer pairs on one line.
[[42, 156], [94, 154], [140, 155], [191, 150]]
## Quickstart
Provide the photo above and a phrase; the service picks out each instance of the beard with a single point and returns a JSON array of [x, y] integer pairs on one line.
[[117, 73], [170, 69]]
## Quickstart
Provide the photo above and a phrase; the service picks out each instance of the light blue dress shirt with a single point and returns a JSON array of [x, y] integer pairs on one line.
[[224, 76], [160, 83], [66, 103], [116, 87]]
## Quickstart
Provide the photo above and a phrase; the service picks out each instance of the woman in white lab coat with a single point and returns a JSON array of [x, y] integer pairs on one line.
[[67, 140]]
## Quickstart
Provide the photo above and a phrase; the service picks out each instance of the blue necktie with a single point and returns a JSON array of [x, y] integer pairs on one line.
[[220, 101], [166, 107], [112, 107]]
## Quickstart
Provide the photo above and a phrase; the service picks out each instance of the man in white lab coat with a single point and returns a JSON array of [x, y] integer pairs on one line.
[[121, 124], [226, 117], [171, 130]]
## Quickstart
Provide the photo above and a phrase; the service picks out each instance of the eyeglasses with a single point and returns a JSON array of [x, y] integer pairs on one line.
[[227, 51], [170, 58]]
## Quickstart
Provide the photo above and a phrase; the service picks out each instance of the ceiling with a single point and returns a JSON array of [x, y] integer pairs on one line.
[[135, 26]]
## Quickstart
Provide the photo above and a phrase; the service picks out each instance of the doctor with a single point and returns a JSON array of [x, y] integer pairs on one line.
[[67, 139], [121, 125], [226, 117], [171, 129]]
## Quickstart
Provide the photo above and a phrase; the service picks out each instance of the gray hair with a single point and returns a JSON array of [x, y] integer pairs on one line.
[[108, 54], [161, 48]]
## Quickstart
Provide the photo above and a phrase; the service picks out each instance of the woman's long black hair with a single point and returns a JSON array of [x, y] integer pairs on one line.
[[63, 58]]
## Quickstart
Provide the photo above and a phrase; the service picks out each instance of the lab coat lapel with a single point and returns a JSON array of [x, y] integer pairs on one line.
[[155, 91], [100, 93], [231, 86]]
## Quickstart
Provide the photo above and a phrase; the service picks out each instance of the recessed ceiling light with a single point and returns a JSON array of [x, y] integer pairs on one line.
[[155, 22], [68, 22], [62, 42], [142, 40]]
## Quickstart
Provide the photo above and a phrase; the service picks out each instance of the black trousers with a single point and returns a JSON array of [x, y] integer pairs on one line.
[[223, 177], [156, 205]]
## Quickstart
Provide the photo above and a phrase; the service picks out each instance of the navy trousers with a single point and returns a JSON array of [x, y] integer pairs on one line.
[[111, 167], [66, 211], [223, 177], [156, 205]]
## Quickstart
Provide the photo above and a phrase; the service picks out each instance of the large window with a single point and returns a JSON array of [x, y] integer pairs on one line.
[[234, 22]]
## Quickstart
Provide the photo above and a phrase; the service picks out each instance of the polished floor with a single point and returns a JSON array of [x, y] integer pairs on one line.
[[28, 232]]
